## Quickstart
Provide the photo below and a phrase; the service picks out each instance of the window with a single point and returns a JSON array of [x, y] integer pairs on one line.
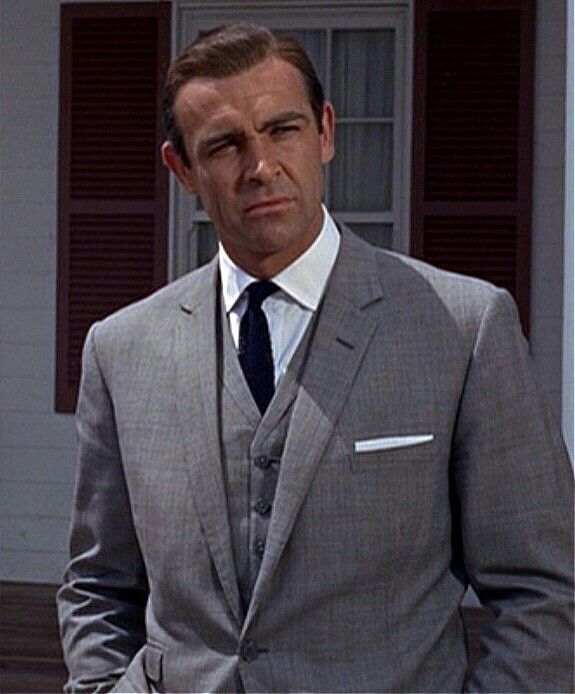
[[360, 54]]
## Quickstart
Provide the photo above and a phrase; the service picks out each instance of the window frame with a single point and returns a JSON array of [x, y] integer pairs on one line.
[[191, 16]]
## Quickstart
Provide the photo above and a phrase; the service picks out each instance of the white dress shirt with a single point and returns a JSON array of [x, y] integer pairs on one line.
[[289, 310]]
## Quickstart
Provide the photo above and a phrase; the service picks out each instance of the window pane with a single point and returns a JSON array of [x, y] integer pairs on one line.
[[360, 175], [376, 234], [314, 44], [362, 75], [207, 242]]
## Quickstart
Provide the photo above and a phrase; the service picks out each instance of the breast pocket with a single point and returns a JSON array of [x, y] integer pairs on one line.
[[384, 451]]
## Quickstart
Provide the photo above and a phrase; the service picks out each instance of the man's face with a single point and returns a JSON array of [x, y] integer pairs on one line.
[[256, 161]]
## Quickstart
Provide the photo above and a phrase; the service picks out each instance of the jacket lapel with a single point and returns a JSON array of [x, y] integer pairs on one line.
[[344, 329], [197, 386]]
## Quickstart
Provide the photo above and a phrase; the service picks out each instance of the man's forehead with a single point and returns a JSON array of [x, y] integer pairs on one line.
[[271, 80]]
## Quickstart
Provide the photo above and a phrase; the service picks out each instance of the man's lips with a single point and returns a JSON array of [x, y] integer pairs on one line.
[[268, 205]]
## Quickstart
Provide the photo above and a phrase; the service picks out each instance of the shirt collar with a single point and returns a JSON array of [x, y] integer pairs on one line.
[[304, 280]]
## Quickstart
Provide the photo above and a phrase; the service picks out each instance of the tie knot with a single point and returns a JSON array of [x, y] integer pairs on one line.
[[258, 292]]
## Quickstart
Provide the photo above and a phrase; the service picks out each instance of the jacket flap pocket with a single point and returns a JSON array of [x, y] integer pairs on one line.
[[389, 443], [153, 657]]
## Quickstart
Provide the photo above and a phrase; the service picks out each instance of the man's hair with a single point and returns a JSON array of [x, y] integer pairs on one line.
[[228, 50]]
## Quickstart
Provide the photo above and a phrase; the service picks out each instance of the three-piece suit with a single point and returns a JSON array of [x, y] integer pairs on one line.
[[409, 454]]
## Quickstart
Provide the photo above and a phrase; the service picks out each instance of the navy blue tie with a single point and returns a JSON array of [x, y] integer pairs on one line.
[[255, 350]]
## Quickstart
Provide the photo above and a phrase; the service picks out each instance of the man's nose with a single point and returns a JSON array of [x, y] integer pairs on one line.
[[261, 165]]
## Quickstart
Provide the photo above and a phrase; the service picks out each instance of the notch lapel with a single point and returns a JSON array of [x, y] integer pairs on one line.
[[344, 329], [197, 390]]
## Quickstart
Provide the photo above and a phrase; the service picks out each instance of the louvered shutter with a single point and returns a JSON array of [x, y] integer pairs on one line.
[[472, 139], [112, 185]]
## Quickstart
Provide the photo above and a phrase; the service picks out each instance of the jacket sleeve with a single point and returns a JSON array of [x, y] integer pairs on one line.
[[514, 488], [102, 601]]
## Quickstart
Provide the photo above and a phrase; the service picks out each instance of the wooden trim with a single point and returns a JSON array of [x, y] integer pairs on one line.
[[470, 207]]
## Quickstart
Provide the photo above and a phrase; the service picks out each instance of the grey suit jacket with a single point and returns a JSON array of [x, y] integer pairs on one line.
[[420, 458]]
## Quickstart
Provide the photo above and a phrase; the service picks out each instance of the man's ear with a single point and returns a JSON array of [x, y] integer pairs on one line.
[[327, 133], [175, 163]]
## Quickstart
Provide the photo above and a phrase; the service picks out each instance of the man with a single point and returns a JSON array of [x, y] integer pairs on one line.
[[289, 486]]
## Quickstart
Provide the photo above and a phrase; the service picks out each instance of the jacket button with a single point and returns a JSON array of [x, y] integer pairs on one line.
[[249, 651], [262, 507], [263, 462]]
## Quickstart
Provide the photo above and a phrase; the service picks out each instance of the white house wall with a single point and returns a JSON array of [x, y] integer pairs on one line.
[[37, 447]]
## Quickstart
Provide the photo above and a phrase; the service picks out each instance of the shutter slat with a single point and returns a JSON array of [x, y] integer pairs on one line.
[[99, 263], [480, 246], [467, 67]]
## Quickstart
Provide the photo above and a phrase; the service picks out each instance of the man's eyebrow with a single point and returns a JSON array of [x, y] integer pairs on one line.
[[219, 138], [227, 135], [282, 118]]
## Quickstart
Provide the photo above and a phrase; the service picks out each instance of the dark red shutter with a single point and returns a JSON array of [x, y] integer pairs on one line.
[[113, 189], [472, 139]]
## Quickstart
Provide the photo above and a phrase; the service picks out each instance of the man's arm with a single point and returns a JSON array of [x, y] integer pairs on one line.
[[514, 486], [102, 601]]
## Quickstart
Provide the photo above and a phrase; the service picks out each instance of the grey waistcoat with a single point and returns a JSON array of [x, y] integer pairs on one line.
[[252, 447]]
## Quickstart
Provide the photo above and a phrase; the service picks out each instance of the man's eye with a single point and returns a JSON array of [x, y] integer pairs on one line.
[[222, 147], [284, 129]]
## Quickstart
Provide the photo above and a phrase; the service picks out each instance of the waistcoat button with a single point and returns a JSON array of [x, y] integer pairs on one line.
[[262, 461], [262, 506]]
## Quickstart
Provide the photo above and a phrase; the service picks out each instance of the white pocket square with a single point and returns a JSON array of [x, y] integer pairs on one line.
[[387, 443]]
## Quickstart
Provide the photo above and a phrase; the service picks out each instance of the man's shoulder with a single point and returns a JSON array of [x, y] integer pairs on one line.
[[408, 279], [152, 312], [446, 283]]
